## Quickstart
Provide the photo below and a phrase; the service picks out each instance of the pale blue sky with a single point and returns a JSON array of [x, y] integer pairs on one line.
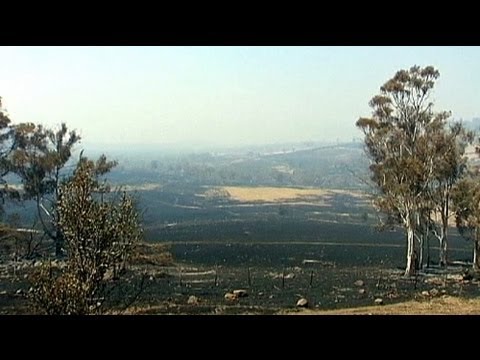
[[220, 95]]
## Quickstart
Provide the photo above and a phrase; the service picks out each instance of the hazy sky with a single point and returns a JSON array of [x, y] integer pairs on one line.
[[220, 95]]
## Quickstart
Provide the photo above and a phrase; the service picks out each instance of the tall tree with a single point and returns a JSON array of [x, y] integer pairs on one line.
[[450, 168], [39, 159], [398, 143], [466, 196], [7, 145]]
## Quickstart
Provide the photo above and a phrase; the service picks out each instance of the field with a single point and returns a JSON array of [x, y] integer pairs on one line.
[[281, 244], [278, 244]]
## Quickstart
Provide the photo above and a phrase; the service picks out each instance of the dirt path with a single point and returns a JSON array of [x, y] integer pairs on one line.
[[445, 305]]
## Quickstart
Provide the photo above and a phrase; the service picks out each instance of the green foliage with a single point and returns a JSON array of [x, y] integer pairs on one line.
[[415, 160], [99, 238], [6, 146]]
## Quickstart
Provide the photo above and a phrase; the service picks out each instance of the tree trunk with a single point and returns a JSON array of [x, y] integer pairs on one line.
[[476, 254], [419, 264], [443, 251], [428, 252], [443, 234], [410, 269]]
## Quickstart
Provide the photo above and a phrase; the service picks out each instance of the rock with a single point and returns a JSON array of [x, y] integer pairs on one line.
[[290, 276], [359, 283], [362, 291], [260, 293], [151, 278], [378, 301], [19, 292], [455, 277], [4, 292], [240, 293], [230, 297], [434, 292], [302, 302], [192, 300], [425, 293], [271, 296], [435, 281], [37, 264]]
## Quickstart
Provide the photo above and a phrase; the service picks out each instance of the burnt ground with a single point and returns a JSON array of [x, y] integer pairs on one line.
[[187, 288], [331, 256]]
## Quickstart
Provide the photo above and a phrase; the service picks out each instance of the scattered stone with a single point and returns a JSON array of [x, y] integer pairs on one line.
[[240, 293], [260, 293], [150, 278], [359, 283], [444, 291], [290, 276], [311, 261], [192, 300], [271, 296], [230, 297], [435, 281], [4, 292], [455, 277], [19, 292], [434, 292], [361, 291], [425, 293], [302, 302], [37, 263], [378, 301], [297, 268]]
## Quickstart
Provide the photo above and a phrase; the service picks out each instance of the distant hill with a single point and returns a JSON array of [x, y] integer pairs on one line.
[[304, 164]]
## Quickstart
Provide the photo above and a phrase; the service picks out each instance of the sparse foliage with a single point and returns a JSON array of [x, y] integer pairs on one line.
[[99, 236], [39, 159], [401, 141]]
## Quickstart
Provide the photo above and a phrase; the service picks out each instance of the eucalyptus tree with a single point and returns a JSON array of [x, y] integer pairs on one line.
[[451, 167], [398, 141], [6, 147], [42, 159], [39, 159], [466, 199]]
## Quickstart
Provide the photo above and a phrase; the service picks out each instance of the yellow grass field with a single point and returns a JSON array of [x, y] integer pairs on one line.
[[280, 194]]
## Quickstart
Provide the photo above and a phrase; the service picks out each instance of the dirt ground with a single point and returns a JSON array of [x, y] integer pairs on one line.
[[445, 305]]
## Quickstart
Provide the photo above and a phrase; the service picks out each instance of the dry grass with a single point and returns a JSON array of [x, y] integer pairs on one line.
[[142, 187], [445, 305], [152, 254], [271, 194]]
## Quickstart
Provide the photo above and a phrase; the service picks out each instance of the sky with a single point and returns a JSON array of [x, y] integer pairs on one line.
[[220, 95]]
